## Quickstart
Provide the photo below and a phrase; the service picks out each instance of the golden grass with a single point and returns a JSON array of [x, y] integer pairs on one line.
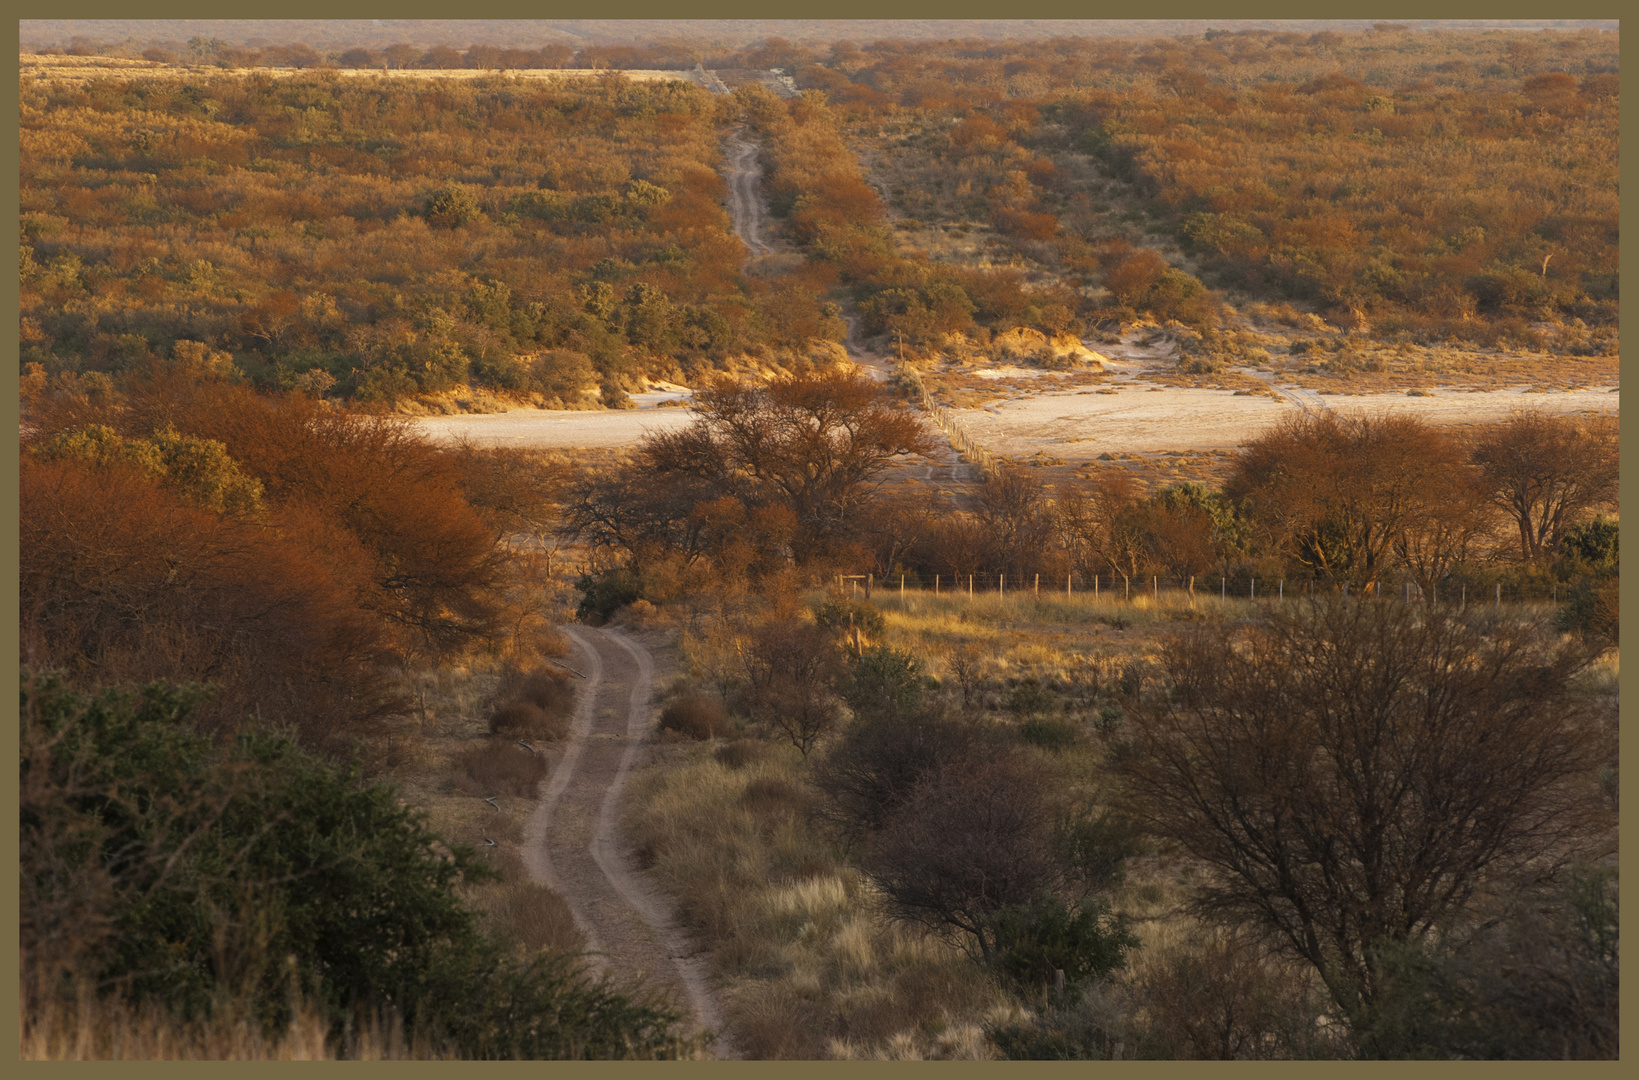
[[101, 1030], [805, 965]]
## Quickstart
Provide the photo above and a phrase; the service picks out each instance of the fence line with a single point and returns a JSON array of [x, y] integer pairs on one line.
[[989, 465], [1113, 588]]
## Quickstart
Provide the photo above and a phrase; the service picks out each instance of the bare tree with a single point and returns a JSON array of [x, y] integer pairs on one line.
[[1546, 471], [1353, 773], [791, 668], [972, 838]]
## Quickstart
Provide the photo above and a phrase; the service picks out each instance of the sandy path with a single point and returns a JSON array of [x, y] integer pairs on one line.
[[573, 844], [745, 207], [538, 428]]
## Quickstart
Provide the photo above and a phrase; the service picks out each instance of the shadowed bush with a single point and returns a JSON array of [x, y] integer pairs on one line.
[[738, 754], [766, 795], [500, 767], [523, 719], [695, 715], [549, 691]]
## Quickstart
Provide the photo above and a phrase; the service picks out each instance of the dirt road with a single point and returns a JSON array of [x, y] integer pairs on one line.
[[745, 204], [573, 844]]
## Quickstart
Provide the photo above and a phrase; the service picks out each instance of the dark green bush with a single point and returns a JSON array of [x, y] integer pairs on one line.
[[1035, 941], [605, 593], [886, 683], [159, 865]]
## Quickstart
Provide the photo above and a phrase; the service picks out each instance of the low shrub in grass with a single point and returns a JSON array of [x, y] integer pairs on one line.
[[1049, 733], [1036, 940], [766, 795], [520, 719], [698, 716], [738, 754], [840, 615], [501, 767], [551, 692]]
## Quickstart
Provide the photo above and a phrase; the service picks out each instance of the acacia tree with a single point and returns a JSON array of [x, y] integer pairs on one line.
[[1353, 773], [1546, 471], [1338, 493], [816, 443]]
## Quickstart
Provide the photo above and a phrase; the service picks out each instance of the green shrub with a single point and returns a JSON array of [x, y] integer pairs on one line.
[[1035, 941], [182, 873], [452, 206], [841, 615], [886, 683]]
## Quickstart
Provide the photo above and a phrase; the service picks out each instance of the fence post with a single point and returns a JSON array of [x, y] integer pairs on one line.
[[1126, 588], [1038, 587], [1155, 589], [1252, 589], [1001, 580], [1282, 594], [1498, 605], [1223, 588], [936, 584], [1192, 586], [1095, 586], [901, 586], [1067, 586], [970, 586], [869, 578]]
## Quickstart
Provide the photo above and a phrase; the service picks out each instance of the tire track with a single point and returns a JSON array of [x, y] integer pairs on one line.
[[745, 207], [573, 843]]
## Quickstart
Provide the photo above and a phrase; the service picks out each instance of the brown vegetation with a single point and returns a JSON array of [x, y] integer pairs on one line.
[[323, 235]]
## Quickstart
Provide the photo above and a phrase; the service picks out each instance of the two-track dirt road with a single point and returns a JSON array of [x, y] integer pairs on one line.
[[746, 207], [573, 844]]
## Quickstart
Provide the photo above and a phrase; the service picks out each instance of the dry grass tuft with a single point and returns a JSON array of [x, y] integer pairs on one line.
[[805, 963], [528, 915], [111, 1030], [738, 754]]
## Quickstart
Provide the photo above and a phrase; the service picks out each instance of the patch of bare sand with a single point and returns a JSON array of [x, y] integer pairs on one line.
[[1139, 419], [543, 428]]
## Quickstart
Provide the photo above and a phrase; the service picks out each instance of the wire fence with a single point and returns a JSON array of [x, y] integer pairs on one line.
[[987, 463], [1116, 588]]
